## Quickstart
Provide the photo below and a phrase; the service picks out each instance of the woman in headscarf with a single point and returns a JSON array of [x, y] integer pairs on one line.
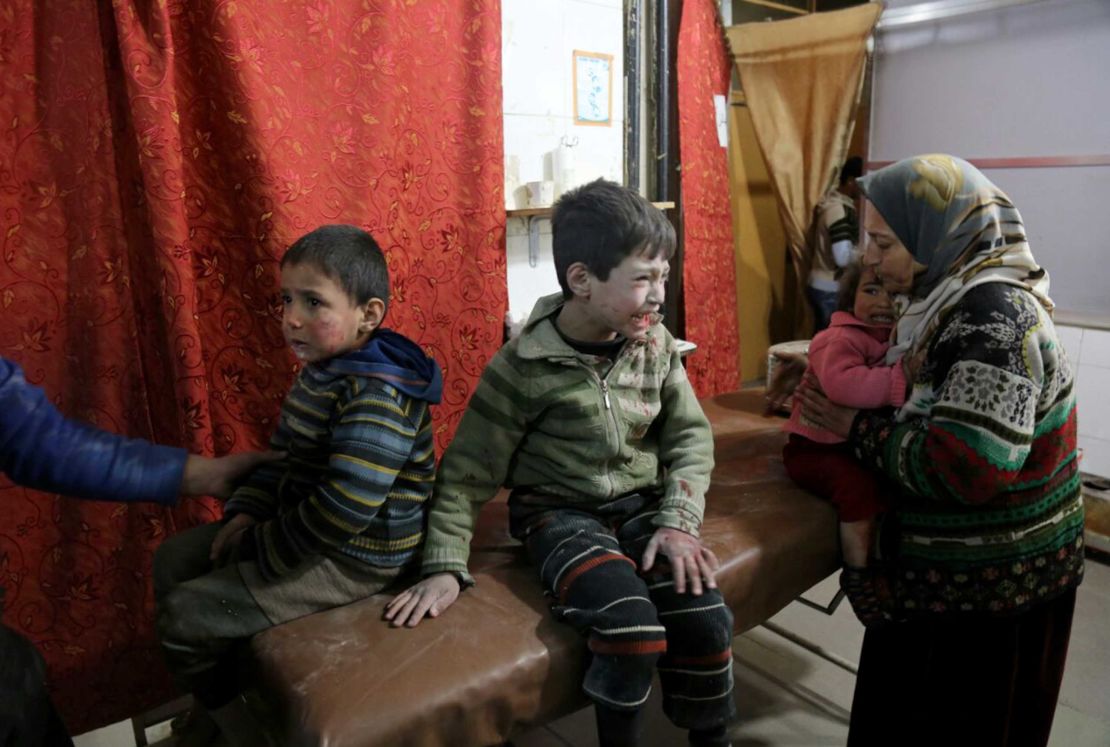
[[982, 550]]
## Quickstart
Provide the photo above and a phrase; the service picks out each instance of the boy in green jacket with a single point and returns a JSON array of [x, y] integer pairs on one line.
[[589, 418]]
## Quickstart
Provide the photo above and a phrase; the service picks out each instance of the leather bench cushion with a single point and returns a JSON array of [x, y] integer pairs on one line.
[[496, 661]]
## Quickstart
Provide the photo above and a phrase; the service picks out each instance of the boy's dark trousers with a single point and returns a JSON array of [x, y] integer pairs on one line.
[[588, 562]]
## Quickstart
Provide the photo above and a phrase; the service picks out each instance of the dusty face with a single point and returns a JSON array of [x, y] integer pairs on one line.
[[628, 302], [873, 304], [320, 320], [885, 253]]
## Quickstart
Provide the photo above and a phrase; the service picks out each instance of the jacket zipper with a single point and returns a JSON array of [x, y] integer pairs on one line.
[[612, 431], [611, 416], [612, 435]]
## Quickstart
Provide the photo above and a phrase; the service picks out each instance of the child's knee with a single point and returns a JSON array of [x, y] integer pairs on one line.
[[718, 623], [181, 558], [706, 628], [175, 618], [162, 570], [721, 621], [623, 661], [629, 634]]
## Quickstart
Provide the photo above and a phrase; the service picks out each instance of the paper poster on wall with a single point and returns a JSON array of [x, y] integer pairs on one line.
[[593, 88], [720, 109]]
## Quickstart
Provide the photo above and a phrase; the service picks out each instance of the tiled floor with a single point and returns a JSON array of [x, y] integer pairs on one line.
[[773, 716]]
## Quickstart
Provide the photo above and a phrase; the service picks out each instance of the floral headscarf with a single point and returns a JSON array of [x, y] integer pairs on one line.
[[959, 225]]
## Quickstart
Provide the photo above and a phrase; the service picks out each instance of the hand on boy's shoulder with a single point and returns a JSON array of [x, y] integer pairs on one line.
[[217, 476], [429, 597], [691, 561]]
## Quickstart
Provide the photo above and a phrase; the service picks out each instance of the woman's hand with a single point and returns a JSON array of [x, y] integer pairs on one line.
[[787, 376], [820, 410]]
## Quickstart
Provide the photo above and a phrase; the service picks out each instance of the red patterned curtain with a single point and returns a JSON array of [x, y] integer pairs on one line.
[[709, 280], [156, 158]]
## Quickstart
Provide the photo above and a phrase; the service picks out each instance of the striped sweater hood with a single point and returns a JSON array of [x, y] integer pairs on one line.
[[396, 360]]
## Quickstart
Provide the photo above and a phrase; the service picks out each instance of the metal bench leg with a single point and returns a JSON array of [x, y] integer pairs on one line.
[[164, 712], [804, 693], [797, 640]]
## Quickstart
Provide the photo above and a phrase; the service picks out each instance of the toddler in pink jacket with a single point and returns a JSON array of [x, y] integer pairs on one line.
[[848, 360]]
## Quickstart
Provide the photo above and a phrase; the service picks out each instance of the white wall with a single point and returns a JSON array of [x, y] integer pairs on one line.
[[1025, 81], [1089, 353], [1031, 80], [538, 38]]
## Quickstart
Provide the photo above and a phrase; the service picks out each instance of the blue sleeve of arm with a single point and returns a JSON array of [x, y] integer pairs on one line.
[[41, 449]]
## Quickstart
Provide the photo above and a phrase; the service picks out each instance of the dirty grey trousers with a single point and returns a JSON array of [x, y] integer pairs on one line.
[[204, 614]]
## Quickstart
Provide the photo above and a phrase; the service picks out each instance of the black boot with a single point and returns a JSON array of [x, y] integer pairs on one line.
[[618, 728], [867, 592], [715, 737]]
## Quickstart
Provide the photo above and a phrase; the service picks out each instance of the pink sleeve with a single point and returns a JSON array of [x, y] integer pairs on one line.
[[847, 379]]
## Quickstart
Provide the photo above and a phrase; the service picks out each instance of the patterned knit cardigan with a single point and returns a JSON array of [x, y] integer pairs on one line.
[[990, 512]]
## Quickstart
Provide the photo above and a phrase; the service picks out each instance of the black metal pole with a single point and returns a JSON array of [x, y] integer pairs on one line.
[[633, 42], [662, 101], [667, 186]]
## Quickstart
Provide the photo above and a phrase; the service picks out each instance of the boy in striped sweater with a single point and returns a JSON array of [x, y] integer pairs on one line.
[[342, 516], [589, 418]]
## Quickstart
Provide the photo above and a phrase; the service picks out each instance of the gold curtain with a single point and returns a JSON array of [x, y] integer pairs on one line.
[[802, 80]]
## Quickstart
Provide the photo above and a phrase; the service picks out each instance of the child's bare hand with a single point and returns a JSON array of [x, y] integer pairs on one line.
[[229, 536], [430, 597], [690, 559]]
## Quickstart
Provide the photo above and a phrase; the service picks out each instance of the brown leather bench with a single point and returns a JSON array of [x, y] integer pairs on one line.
[[496, 663]]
